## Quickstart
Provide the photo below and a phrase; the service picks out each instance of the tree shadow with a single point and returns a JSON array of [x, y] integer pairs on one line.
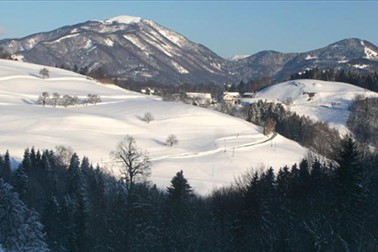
[[139, 117], [35, 75], [159, 142], [27, 101]]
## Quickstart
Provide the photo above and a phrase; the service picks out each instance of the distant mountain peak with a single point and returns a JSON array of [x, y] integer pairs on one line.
[[123, 20]]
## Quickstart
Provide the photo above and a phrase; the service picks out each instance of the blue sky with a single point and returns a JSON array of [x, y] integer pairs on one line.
[[226, 27]]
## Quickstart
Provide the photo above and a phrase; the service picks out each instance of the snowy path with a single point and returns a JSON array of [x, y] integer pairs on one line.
[[210, 152]]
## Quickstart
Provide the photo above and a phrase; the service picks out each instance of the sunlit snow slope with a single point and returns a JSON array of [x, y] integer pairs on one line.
[[320, 100], [213, 148]]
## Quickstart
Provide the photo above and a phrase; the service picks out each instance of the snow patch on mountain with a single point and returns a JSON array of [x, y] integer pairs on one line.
[[66, 37], [123, 20], [171, 36], [88, 44], [109, 42], [370, 54], [31, 43], [238, 57], [179, 68], [134, 40], [309, 57], [360, 66]]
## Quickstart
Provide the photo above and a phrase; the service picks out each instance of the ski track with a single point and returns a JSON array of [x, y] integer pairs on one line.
[[210, 152]]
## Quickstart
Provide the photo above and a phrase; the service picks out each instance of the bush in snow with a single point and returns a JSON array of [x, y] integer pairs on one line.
[[93, 98]]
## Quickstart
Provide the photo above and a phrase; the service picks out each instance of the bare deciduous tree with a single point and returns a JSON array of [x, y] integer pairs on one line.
[[148, 117], [135, 164], [43, 98], [55, 99], [172, 140], [270, 126], [64, 154]]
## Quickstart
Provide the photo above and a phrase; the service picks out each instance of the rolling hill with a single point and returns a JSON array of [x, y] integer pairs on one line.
[[320, 100], [213, 148]]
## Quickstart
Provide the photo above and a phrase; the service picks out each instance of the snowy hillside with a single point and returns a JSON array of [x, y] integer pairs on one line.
[[213, 148], [320, 100]]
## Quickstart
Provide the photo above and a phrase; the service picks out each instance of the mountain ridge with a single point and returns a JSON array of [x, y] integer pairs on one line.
[[139, 49]]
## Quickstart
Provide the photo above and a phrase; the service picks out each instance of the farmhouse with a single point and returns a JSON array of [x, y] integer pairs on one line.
[[231, 97], [200, 98]]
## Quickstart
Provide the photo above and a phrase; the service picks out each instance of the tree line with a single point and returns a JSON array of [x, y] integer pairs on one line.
[[315, 135], [363, 119], [364, 80], [66, 100], [70, 205]]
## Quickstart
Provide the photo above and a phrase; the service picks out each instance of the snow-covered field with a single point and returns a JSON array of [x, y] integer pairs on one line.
[[320, 100], [213, 148]]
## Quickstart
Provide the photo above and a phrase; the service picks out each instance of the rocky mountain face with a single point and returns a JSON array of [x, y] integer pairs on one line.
[[125, 47], [134, 48]]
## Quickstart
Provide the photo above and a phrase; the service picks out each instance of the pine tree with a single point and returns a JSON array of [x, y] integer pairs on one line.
[[20, 227], [351, 198], [5, 167], [179, 215], [180, 190]]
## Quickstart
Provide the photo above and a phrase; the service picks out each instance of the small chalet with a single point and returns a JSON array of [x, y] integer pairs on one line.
[[231, 97], [200, 98]]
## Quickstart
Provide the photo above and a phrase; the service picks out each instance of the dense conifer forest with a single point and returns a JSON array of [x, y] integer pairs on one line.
[[364, 80], [63, 203]]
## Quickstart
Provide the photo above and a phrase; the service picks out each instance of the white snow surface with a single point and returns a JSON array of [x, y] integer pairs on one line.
[[62, 38], [179, 68], [329, 103], [123, 20], [238, 57], [109, 42], [213, 148], [370, 54], [309, 57]]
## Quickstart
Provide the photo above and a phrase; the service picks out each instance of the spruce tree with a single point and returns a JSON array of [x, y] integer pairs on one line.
[[351, 201], [20, 227], [180, 190]]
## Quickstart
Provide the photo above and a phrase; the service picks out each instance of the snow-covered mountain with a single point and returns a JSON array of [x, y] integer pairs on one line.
[[126, 47], [213, 148], [135, 48], [349, 54], [320, 100]]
